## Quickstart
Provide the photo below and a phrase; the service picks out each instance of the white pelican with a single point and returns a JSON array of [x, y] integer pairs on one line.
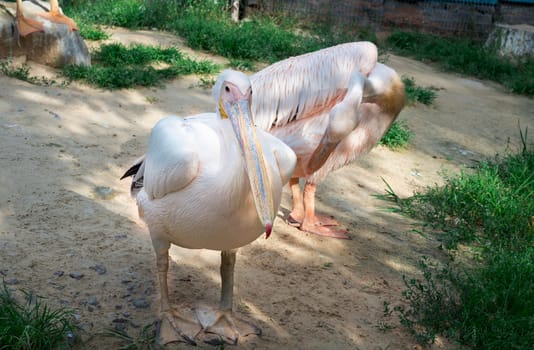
[[26, 26], [329, 106], [210, 181]]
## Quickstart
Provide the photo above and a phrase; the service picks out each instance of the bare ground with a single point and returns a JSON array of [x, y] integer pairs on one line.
[[61, 146]]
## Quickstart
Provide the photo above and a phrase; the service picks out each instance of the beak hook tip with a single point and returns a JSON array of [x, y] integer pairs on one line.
[[268, 229]]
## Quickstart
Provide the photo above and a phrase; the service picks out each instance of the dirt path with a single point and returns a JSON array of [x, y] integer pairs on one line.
[[60, 145]]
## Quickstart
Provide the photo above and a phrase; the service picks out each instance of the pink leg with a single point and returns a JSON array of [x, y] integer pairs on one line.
[[318, 225], [297, 212], [175, 325]]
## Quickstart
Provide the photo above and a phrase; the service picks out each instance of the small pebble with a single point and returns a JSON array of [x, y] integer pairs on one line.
[[99, 268], [59, 273], [126, 314], [120, 324], [71, 339], [103, 192], [12, 281], [92, 300], [76, 275], [140, 303]]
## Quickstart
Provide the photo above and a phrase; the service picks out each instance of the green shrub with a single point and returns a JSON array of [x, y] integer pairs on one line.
[[32, 324], [416, 94], [116, 66], [398, 136], [490, 305], [467, 57]]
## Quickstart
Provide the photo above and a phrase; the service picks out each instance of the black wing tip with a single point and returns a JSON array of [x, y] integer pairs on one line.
[[132, 171]]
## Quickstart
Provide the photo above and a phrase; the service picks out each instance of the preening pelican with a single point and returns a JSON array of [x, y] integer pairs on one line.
[[26, 26], [329, 106], [210, 181]]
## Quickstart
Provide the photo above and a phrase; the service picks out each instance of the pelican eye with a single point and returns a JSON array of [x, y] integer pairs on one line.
[[227, 89]]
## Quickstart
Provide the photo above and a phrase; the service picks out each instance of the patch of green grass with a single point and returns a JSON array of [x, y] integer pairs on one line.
[[118, 77], [206, 25], [398, 136], [242, 65], [91, 32], [432, 301], [260, 38], [268, 38], [327, 265], [492, 204], [119, 55], [151, 99], [490, 304], [145, 340], [32, 324], [417, 94], [467, 57], [206, 82], [116, 66], [488, 307], [122, 13], [12, 71], [22, 72], [256, 40]]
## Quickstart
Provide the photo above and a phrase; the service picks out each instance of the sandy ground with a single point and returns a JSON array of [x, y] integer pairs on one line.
[[65, 237]]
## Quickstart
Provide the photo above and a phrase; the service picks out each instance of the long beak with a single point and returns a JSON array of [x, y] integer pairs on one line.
[[239, 114]]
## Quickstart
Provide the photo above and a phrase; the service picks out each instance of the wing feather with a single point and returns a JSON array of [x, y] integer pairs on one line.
[[171, 161], [307, 85]]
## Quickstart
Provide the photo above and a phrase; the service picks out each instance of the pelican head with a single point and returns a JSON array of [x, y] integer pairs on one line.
[[233, 92]]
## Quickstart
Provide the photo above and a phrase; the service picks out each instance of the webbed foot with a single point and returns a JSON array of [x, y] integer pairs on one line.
[[326, 231], [324, 220], [324, 226], [26, 26], [223, 327], [295, 219], [178, 326], [57, 17]]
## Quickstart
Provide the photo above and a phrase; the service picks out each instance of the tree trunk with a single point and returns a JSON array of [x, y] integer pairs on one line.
[[234, 6]]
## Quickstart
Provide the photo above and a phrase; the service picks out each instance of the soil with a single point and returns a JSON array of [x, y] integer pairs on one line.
[[70, 232]]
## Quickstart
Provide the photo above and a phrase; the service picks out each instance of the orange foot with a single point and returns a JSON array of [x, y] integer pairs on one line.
[[57, 17], [295, 219], [26, 26], [325, 231]]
